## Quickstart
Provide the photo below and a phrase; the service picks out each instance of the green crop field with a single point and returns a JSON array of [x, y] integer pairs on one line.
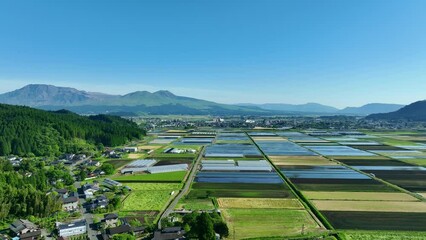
[[149, 196], [156, 177], [384, 235], [195, 204], [377, 220], [118, 163], [257, 223]]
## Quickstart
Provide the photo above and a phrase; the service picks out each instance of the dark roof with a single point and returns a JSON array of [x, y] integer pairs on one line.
[[69, 200], [138, 229], [110, 216], [79, 223], [158, 235], [30, 235], [171, 229], [21, 224], [73, 194], [101, 198], [61, 191], [119, 229], [104, 236]]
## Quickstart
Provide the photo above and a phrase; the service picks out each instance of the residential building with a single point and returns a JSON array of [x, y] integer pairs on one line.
[[110, 220], [70, 203], [22, 226], [130, 149], [89, 190], [119, 230], [71, 229]]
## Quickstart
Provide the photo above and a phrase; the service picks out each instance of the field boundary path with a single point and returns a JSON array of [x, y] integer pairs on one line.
[[184, 190]]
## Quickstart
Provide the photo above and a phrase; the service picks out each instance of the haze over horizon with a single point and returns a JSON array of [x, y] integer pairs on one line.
[[337, 53]]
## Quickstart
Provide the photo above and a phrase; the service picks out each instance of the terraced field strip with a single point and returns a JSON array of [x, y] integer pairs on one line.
[[360, 196], [370, 206], [266, 203]]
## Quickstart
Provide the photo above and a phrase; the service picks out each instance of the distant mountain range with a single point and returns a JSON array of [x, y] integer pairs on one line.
[[307, 108], [415, 112], [50, 97], [163, 102], [324, 109]]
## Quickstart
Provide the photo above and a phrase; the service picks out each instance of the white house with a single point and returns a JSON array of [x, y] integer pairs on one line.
[[130, 149], [71, 229]]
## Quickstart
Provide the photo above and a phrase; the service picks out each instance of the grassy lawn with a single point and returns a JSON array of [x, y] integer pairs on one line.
[[252, 203], [149, 196], [156, 177], [257, 223], [195, 204]]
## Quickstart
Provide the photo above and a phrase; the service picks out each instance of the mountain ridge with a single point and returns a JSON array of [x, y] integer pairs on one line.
[[52, 97]]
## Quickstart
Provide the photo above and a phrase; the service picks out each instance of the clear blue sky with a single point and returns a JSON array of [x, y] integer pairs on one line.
[[341, 52]]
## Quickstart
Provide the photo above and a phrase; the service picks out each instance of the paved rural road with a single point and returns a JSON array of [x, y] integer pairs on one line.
[[184, 190]]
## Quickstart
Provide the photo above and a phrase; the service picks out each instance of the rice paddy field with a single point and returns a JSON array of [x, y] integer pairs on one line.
[[366, 186], [254, 200], [246, 223], [352, 181]]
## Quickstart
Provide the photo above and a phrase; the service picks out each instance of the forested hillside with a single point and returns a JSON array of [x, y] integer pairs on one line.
[[26, 131], [22, 195]]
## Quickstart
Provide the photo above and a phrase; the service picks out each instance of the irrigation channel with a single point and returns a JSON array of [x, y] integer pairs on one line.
[[184, 190]]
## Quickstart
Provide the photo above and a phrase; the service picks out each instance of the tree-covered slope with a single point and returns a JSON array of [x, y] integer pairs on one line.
[[414, 112], [26, 131]]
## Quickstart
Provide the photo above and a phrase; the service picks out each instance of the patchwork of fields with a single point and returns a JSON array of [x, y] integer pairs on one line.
[[277, 184]]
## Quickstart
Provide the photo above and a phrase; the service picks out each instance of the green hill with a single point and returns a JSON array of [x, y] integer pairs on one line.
[[413, 112], [26, 131]]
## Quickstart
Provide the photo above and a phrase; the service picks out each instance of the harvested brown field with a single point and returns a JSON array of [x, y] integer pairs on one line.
[[277, 138], [423, 194], [301, 160], [149, 147], [135, 155], [259, 203], [365, 196], [370, 206]]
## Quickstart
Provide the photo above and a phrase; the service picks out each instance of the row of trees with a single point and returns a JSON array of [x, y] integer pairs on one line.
[[26, 131]]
